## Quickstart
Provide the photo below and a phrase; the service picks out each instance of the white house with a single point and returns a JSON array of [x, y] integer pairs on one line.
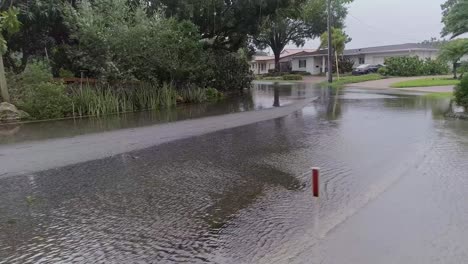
[[316, 62], [262, 64]]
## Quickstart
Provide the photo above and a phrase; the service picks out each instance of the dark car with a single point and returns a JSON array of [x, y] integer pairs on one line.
[[366, 69]]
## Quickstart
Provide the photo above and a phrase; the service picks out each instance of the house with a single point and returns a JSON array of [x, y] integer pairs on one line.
[[261, 64], [316, 62]]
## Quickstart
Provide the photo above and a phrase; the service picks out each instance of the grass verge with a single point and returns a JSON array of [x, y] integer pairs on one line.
[[447, 95], [426, 83], [338, 83]]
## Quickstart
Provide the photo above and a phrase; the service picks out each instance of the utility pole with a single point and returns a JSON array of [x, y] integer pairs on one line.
[[330, 49]]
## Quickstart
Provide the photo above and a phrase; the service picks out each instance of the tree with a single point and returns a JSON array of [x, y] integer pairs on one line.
[[453, 51], [8, 24], [339, 40], [222, 24], [296, 24], [455, 18]]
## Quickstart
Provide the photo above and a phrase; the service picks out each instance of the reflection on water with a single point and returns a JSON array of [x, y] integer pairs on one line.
[[235, 196]]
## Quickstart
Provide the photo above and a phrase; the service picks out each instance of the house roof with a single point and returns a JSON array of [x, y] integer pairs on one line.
[[379, 49], [284, 54]]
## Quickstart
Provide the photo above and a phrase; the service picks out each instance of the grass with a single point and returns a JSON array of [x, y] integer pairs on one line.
[[447, 95], [426, 83], [337, 83]]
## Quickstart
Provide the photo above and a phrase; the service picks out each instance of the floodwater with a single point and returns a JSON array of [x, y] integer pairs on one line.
[[394, 190], [262, 97]]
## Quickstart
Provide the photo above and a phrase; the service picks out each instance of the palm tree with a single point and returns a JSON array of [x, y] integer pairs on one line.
[[339, 40], [453, 51], [9, 24]]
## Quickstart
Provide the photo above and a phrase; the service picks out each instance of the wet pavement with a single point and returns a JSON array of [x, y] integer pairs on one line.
[[394, 181]]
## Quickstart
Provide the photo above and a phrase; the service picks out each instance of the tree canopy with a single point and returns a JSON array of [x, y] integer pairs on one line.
[[453, 51], [339, 40], [297, 23], [455, 18]]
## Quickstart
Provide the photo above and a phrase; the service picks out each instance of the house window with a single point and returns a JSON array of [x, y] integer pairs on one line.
[[302, 63], [263, 66], [362, 61]]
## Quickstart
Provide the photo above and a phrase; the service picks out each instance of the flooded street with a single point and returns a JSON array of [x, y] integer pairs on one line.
[[394, 187]]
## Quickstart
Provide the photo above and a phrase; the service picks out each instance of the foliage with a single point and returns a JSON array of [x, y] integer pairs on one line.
[[213, 95], [63, 73], [461, 93], [223, 25], [121, 42], [346, 64], [193, 95], [383, 71], [353, 79], [455, 18], [441, 95], [339, 40], [435, 67], [35, 72], [104, 100], [297, 23], [426, 83], [225, 71], [46, 100], [414, 66], [453, 51], [292, 77]]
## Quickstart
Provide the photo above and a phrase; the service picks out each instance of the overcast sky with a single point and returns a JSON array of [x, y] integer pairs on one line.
[[384, 22]]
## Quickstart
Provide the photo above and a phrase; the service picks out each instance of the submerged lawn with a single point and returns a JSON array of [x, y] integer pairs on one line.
[[353, 79], [426, 83]]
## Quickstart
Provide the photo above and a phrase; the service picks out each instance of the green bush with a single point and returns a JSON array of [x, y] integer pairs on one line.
[[435, 67], [302, 73], [414, 66], [46, 100], [383, 71], [292, 77], [213, 95], [461, 93], [66, 73]]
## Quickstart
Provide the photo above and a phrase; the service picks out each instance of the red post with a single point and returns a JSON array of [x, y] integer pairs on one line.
[[315, 181]]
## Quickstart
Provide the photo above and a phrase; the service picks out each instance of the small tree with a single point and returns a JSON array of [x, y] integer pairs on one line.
[[453, 51], [339, 40], [9, 24]]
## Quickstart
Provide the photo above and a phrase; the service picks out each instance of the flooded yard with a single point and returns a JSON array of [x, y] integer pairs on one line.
[[394, 181]]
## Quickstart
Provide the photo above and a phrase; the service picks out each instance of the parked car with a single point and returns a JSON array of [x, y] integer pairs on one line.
[[366, 69]]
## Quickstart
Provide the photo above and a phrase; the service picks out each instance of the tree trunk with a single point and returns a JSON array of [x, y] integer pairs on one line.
[[277, 61], [337, 65], [3, 82]]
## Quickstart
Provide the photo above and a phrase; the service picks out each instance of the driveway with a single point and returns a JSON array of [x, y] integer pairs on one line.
[[387, 83]]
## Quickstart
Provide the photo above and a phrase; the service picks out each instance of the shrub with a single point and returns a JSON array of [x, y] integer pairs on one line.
[[404, 66], [461, 93], [414, 66], [65, 73], [46, 100], [292, 77], [212, 94], [383, 71], [435, 67], [303, 73], [346, 65]]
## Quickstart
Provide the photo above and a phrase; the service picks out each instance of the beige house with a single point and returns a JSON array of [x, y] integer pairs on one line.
[[316, 62], [262, 64]]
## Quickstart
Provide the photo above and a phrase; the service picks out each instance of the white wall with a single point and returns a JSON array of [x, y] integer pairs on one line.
[[313, 64], [256, 68]]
